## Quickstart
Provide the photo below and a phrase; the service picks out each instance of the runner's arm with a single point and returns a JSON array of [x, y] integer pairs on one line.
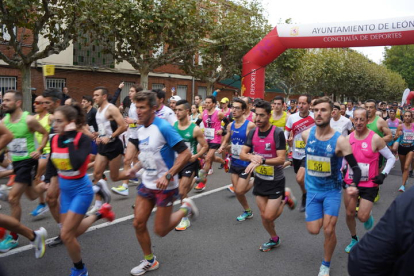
[[5, 136], [117, 116], [225, 140], [386, 130], [35, 126], [202, 141]]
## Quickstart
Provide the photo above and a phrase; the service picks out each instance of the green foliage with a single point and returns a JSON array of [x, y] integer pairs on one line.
[[401, 60]]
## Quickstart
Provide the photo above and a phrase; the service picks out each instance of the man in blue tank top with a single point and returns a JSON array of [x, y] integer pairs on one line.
[[237, 135], [324, 150]]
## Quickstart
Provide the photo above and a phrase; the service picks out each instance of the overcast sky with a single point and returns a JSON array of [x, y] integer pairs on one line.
[[318, 11]]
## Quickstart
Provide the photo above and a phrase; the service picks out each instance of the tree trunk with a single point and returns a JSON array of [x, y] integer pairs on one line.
[[210, 86], [26, 87], [144, 78]]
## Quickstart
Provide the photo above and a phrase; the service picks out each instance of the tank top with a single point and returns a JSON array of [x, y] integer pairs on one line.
[[23, 143], [188, 137], [104, 125], [367, 160], [238, 138], [133, 128], [322, 165], [266, 147], [281, 122], [407, 138], [61, 160], [250, 117], [393, 125], [373, 126], [226, 113], [212, 124], [44, 122], [193, 118]]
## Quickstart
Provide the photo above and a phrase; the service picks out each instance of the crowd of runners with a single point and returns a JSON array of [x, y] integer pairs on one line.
[[168, 146]]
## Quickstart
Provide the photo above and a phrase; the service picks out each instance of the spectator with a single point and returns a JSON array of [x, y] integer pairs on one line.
[[65, 92]]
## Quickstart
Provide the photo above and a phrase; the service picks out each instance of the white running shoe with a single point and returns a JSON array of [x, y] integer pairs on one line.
[[120, 190], [144, 267], [183, 225], [210, 171], [93, 210], [323, 271], [104, 191], [39, 243], [194, 213]]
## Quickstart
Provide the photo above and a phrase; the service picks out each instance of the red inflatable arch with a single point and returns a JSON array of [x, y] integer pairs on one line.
[[409, 98], [394, 31]]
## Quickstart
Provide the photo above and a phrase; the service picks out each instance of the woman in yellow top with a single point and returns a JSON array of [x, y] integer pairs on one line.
[[278, 117]]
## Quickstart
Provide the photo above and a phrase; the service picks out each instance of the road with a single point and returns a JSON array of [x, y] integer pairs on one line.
[[215, 244]]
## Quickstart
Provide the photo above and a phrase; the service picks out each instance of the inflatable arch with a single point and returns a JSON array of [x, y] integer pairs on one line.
[[394, 31]]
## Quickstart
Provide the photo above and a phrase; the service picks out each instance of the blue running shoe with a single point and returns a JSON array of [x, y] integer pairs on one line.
[[79, 272], [40, 210], [369, 223], [245, 215], [349, 247], [402, 189], [267, 246], [8, 243]]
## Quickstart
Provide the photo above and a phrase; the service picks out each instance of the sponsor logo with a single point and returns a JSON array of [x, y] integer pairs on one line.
[[268, 146], [311, 142], [294, 31], [187, 171], [329, 148], [364, 145]]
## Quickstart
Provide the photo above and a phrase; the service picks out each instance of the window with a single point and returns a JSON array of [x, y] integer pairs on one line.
[[125, 90], [7, 83], [157, 86], [88, 53], [55, 83], [202, 91], [182, 91]]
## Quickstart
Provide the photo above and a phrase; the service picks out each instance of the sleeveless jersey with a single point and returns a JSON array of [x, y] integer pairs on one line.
[[23, 142], [133, 128], [373, 126], [188, 137], [367, 160], [407, 138], [61, 160], [281, 123], [296, 125], [44, 122], [393, 125], [322, 165], [212, 124], [104, 125], [238, 138], [266, 147], [250, 117]]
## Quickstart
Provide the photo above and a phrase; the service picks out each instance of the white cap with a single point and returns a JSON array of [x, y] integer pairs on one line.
[[175, 98]]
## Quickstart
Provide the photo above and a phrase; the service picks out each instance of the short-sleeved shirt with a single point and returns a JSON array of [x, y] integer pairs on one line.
[[167, 114], [343, 125]]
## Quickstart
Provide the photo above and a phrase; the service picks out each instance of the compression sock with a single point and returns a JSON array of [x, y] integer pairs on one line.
[[79, 265], [327, 264], [149, 258]]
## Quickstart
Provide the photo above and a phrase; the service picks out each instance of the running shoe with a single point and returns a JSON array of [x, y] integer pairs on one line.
[[200, 187], [92, 211], [144, 267], [401, 189], [2, 233], [210, 171], [267, 246], [8, 243], [40, 210], [104, 191], [39, 242], [323, 271], [226, 165], [201, 176], [106, 212], [4, 193], [221, 167], [193, 210], [349, 247], [120, 190], [104, 177], [57, 241], [369, 223], [230, 188], [11, 180], [79, 272], [290, 199], [245, 215], [303, 204], [135, 181], [183, 225]]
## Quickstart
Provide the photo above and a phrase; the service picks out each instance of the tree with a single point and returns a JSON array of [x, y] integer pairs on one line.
[[149, 33], [237, 27], [401, 60], [25, 22]]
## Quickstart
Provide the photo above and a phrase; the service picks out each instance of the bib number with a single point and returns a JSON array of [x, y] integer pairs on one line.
[[364, 171], [318, 166], [209, 133], [101, 130], [265, 172], [235, 150], [18, 147]]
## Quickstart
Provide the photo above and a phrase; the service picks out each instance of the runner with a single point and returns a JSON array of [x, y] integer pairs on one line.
[[393, 122], [350, 109], [191, 135], [340, 123], [173, 102], [224, 104], [69, 160], [292, 107], [163, 111], [343, 112], [405, 145], [384, 112], [194, 113], [110, 148], [296, 124], [366, 146], [90, 111], [279, 117], [250, 115], [237, 134], [131, 152], [268, 145], [212, 122], [25, 157], [323, 178], [158, 143]]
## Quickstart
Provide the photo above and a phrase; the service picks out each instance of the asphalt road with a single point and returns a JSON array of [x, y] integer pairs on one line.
[[215, 244]]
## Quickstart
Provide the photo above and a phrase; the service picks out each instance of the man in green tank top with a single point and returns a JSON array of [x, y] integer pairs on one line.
[[192, 135], [24, 155]]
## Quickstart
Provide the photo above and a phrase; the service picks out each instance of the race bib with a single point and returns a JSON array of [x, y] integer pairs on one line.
[[209, 133], [235, 150], [393, 131], [91, 129], [318, 166], [265, 172], [364, 171], [18, 147], [148, 162], [101, 130], [132, 125], [408, 137], [62, 164]]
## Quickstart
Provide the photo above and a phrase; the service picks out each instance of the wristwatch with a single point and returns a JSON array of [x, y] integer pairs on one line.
[[263, 160], [168, 176]]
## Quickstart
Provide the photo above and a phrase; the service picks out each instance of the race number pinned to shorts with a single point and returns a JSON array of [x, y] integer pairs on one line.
[[318, 166], [364, 171], [18, 147], [265, 172], [209, 133]]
